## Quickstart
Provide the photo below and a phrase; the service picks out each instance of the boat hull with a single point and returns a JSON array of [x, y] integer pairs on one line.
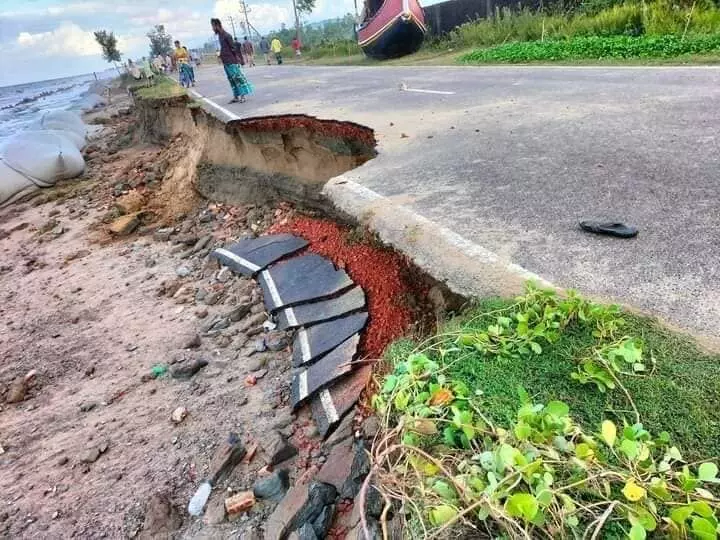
[[397, 29]]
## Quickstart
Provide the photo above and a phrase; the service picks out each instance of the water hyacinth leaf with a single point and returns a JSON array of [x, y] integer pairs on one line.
[[633, 492], [583, 451], [609, 433], [637, 532], [572, 521], [442, 488], [680, 514], [707, 472], [545, 497], [557, 408], [401, 401], [703, 529], [629, 448], [424, 426], [439, 515], [659, 489], [522, 505], [674, 454], [702, 509], [390, 383], [644, 518], [705, 493]]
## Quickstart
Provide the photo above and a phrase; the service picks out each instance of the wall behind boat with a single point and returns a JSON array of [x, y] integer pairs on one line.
[[443, 17]]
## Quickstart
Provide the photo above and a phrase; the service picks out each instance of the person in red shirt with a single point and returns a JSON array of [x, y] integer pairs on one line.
[[296, 45]]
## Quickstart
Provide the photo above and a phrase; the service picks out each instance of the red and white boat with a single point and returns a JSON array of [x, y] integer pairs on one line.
[[395, 28]]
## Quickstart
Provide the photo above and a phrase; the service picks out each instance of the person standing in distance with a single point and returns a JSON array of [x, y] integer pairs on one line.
[[239, 83], [276, 48], [265, 49]]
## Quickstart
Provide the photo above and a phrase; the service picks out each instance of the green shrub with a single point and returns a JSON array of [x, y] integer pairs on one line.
[[625, 19], [596, 48]]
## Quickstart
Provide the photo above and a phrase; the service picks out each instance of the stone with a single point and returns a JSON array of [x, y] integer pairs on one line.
[[257, 375], [88, 406], [307, 532], [250, 534], [201, 313], [183, 271], [301, 505], [370, 427], [252, 321], [124, 225], [217, 323], [188, 369], [130, 202], [311, 343], [161, 518], [212, 298], [259, 346], [322, 523], [90, 456], [302, 279], [337, 363], [343, 432], [331, 404], [191, 341], [163, 235], [249, 256], [201, 243], [178, 415], [272, 487], [239, 504], [276, 448], [16, 392], [359, 469], [226, 457], [276, 341], [283, 420], [307, 314], [239, 312], [337, 469]]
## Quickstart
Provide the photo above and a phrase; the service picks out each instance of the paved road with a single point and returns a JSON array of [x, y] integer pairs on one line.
[[512, 158]]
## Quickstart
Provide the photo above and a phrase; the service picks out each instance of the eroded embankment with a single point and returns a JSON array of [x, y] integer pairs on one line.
[[258, 160]]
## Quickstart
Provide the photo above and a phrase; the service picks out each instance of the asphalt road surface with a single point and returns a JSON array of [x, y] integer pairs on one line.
[[512, 158]]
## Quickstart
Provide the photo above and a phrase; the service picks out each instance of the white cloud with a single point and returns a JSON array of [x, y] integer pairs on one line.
[[67, 39], [264, 16]]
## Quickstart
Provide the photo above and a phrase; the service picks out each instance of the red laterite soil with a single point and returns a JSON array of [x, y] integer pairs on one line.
[[385, 276]]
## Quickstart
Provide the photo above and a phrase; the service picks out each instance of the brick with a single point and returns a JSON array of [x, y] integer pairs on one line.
[[226, 457], [239, 504]]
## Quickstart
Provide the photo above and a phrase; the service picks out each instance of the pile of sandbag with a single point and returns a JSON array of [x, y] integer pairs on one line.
[[41, 156]]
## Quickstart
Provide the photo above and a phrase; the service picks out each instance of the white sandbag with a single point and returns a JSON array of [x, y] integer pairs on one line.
[[13, 185], [38, 158], [74, 138], [62, 120]]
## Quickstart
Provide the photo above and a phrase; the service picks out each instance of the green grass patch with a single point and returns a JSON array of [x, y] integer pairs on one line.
[[164, 88], [679, 393], [595, 48]]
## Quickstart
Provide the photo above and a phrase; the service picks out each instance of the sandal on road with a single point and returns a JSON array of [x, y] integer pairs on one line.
[[611, 229]]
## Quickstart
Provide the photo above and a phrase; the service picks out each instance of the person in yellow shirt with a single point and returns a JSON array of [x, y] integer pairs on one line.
[[182, 60], [276, 47]]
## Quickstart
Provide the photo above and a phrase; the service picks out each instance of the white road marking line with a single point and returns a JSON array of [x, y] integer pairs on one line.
[[223, 110], [420, 91], [302, 385], [330, 410], [236, 258], [290, 316], [304, 345], [274, 294]]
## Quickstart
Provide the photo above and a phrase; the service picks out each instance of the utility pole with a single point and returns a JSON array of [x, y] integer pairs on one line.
[[297, 20], [232, 23], [244, 10]]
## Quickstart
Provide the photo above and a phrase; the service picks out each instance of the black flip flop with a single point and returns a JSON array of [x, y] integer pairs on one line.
[[611, 229]]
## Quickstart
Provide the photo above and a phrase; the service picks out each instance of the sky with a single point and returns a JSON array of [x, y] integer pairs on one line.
[[47, 39]]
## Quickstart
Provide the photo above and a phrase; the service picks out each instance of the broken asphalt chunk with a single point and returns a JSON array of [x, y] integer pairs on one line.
[[302, 279], [311, 343], [337, 363], [248, 257], [331, 404], [325, 310]]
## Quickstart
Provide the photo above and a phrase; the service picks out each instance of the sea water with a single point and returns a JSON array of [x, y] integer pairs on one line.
[[23, 104]]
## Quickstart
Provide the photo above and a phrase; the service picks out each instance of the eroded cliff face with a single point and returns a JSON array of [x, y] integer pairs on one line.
[[252, 161]]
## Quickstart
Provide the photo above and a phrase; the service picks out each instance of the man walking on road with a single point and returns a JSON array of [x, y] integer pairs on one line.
[[276, 48], [249, 52], [239, 84], [265, 49]]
